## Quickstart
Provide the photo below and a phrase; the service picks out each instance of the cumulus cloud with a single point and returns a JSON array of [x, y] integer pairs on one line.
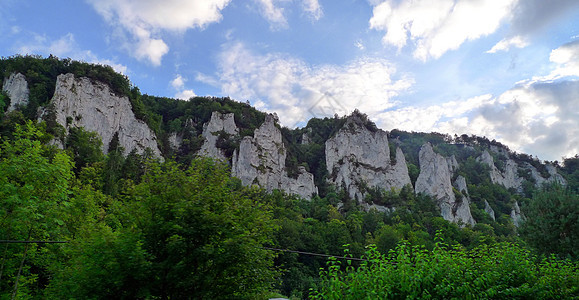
[[65, 46], [506, 43], [298, 91], [539, 118], [532, 16], [178, 83], [567, 59], [435, 27], [144, 20]]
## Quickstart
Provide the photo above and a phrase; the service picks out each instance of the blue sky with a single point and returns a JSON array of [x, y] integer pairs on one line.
[[507, 70]]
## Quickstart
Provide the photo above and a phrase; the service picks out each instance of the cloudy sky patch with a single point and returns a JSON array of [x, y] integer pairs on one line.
[[508, 70]]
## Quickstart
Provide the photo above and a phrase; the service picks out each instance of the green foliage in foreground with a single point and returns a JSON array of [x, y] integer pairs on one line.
[[500, 271]]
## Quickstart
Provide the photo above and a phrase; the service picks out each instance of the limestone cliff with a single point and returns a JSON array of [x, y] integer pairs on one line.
[[510, 178], [489, 210], [435, 180], [357, 157], [220, 124], [17, 89], [261, 160], [516, 215], [80, 102]]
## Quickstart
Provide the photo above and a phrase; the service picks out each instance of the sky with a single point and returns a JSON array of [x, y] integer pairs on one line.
[[504, 69]]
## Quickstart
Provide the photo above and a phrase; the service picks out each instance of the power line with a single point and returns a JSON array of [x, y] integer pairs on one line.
[[31, 242], [313, 254]]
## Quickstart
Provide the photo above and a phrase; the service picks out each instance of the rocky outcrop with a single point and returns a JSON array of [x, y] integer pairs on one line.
[[516, 215], [220, 124], [509, 178], [261, 160], [80, 102], [489, 210], [175, 141], [435, 180], [17, 89], [357, 157], [554, 177]]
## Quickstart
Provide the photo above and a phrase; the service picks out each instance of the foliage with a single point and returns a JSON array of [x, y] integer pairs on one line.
[[552, 222], [34, 187], [499, 271]]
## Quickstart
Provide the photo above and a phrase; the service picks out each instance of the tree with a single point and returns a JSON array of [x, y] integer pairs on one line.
[[202, 231], [34, 183], [552, 222], [499, 271]]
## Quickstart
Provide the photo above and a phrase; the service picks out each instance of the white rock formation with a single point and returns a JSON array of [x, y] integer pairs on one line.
[[516, 215], [540, 180], [509, 178], [261, 160], [175, 141], [79, 102], [435, 180], [219, 123], [489, 210], [356, 156], [17, 89]]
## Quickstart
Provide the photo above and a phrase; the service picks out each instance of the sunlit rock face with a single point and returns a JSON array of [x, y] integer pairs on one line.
[[219, 124], [17, 89], [261, 160], [358, 157], [80, 102], [435, 180]]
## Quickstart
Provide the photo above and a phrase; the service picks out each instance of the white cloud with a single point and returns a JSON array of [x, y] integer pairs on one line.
[[178, 83], [435, 27], [567, 58], [65, 46], [506, 43], [539, 118], [297, 91], [144, 20], [313, 8], [185, 94], [272, 13]]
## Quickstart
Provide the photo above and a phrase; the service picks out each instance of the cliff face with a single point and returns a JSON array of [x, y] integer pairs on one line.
[[435, 180], [356, 156], [17, 89], [509, 178], [261, 160], [220, 124], [78, 102]]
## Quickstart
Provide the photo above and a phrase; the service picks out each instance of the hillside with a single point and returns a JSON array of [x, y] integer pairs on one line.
[[335, 181]]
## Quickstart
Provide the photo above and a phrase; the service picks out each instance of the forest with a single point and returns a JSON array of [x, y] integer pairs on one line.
[[76, 223]]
